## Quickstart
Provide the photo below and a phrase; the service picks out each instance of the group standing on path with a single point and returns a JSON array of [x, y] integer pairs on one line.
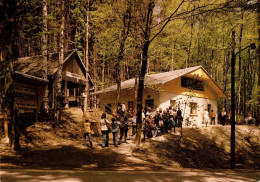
[[154, 122]]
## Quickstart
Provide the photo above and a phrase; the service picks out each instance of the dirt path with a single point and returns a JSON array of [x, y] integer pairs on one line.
[[25, 175]]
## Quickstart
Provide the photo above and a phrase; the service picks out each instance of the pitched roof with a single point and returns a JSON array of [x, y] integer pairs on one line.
[[155, 79], [33, 65]]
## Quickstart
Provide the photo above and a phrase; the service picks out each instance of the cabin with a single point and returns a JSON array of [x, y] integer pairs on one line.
[[190, 89], [28, 95], [73, 75]]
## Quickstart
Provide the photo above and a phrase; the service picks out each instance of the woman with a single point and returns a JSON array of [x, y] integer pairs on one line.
[[206, 117], [104, 130]]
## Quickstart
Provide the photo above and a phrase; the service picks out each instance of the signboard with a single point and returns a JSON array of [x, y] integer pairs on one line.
[[73, 75]]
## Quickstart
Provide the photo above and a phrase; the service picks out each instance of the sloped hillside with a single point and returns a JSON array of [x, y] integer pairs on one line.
[[48, 144]]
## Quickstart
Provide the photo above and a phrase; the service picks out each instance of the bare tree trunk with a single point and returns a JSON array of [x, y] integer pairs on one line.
[[239, 67], [140, 93], [95, 75], [103, 72], [87, 63], [258, 52], [124, 34], [142, 74], [61, 53], [45, 55]]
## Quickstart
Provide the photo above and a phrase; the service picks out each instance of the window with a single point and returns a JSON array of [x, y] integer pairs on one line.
[[193, 108], [192, 83], [172, 103]]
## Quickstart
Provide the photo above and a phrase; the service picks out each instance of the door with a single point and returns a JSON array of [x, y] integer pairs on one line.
[[149, 103]]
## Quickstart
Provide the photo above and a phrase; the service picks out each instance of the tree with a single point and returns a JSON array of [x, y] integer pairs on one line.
[[45, 54]]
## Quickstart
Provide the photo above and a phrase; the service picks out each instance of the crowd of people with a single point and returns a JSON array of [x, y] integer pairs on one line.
[[154, 122]]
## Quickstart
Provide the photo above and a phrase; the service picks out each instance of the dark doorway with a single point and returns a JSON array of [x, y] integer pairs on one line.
[[149, 103], [209, 107]]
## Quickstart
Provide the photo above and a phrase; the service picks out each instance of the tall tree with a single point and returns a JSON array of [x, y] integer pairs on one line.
[[87, 62], [45, 53]]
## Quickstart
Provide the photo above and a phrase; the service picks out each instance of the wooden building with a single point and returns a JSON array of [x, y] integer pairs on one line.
[[190, 89], [28, 95], [73, 75]]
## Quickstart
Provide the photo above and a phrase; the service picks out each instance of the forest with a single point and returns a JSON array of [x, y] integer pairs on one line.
[[123, 39]]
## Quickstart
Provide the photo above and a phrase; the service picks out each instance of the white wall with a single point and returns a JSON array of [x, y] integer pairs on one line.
[[183, 102]]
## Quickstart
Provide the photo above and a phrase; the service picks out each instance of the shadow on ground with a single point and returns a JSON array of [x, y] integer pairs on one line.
[[196, 150], [70, 157]]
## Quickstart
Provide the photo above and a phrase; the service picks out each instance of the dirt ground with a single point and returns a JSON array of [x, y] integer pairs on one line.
[[48, 145]]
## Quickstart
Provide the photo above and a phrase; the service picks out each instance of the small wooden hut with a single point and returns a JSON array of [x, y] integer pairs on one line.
[[73, 75]]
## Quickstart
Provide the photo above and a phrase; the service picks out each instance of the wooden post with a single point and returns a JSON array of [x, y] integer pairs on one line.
[[66, 95]]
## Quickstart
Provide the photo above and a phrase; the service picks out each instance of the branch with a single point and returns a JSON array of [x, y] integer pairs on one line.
[[168, 20]]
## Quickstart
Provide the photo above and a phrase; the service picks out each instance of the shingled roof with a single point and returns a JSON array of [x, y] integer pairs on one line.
[[155, 79], [34, 65]]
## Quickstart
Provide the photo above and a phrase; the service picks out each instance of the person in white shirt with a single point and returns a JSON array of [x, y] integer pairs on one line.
[[206, 117], [123, 109], [104, 130]]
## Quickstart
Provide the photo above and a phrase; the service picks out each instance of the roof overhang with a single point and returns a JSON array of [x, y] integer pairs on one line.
[[30, 77]]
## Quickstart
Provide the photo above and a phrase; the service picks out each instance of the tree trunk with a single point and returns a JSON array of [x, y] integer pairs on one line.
[[258, 52], [140, 93], [45, 55], [95, 75], [119, 64], [103, 72], [61, 53], [87, 63], [239, 67], [232, 138]]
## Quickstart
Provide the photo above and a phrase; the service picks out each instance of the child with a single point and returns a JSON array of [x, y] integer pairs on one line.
[[87, 131], [115, 124]]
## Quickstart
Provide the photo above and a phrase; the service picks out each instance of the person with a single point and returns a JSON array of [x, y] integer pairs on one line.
[[166, 120], [134, 125], [83, 100], [156, 122], [223, 116], [123, 108], [206, 117], [115, 124], [160, 124], [179, 117], [119, 109], [249, 119], [172, 123], [104, 130], [212, 116], [145, 125], [123, 129], [87, 132]]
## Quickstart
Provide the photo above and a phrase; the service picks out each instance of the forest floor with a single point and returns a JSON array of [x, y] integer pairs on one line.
[[53, 147]]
